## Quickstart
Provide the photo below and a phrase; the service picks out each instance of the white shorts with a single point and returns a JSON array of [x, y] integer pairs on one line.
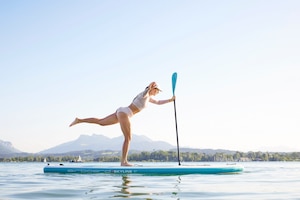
[[125, 110]]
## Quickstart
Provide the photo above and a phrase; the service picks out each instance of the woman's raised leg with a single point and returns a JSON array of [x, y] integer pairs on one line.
[[109, 120]]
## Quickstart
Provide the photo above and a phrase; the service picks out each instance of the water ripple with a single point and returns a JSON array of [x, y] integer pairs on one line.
[[260, 181]]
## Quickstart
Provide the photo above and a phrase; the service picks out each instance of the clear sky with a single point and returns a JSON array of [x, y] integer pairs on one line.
[[238, 68]]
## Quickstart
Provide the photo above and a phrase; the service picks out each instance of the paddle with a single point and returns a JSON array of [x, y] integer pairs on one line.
[[174, 80]]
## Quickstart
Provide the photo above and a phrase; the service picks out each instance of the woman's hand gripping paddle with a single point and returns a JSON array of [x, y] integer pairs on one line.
[[174, 80]]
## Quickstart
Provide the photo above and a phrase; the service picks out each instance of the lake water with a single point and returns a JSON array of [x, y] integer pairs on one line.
[[259, 181]]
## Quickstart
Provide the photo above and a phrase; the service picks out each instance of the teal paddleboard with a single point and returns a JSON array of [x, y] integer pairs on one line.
[[146, 170]]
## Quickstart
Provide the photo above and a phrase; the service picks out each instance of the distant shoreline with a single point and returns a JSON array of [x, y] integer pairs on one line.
[[155, 156]]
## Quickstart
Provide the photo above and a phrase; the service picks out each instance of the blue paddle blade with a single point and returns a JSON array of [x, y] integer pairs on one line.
[[174, 79]]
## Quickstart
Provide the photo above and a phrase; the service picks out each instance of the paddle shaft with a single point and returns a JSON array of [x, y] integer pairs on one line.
[[178, 154]]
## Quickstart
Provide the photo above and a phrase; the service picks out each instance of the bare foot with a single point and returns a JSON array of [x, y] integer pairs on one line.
[[126, 164], [76, 121]]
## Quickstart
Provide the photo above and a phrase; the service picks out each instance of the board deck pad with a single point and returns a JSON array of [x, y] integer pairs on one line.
[[146, 170]]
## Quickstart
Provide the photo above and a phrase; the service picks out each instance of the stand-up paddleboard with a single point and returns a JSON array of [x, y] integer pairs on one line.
[[145, 170]]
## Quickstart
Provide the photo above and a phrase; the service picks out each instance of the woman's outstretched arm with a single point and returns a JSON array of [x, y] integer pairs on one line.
[[161, 102]]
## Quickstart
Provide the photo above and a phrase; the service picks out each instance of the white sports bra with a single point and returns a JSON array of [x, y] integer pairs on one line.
[[140, 101]]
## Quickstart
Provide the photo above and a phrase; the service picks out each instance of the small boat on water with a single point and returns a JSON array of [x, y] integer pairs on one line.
[[79, 160]]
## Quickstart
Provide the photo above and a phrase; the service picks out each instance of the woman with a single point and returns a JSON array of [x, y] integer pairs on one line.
[[123, 114]]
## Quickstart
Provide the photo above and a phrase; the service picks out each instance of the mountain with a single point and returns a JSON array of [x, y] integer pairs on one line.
[[102, 143], [6, 148]]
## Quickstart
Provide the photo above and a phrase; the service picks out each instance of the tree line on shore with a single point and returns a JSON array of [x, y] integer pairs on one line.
[[164, 156]]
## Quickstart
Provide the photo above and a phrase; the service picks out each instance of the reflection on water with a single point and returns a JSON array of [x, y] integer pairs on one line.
[[128, 189], [131, 189], [125, 190], [175, 193]]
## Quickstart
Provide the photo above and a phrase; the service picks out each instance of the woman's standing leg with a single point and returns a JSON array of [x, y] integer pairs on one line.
[[126, 129]]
